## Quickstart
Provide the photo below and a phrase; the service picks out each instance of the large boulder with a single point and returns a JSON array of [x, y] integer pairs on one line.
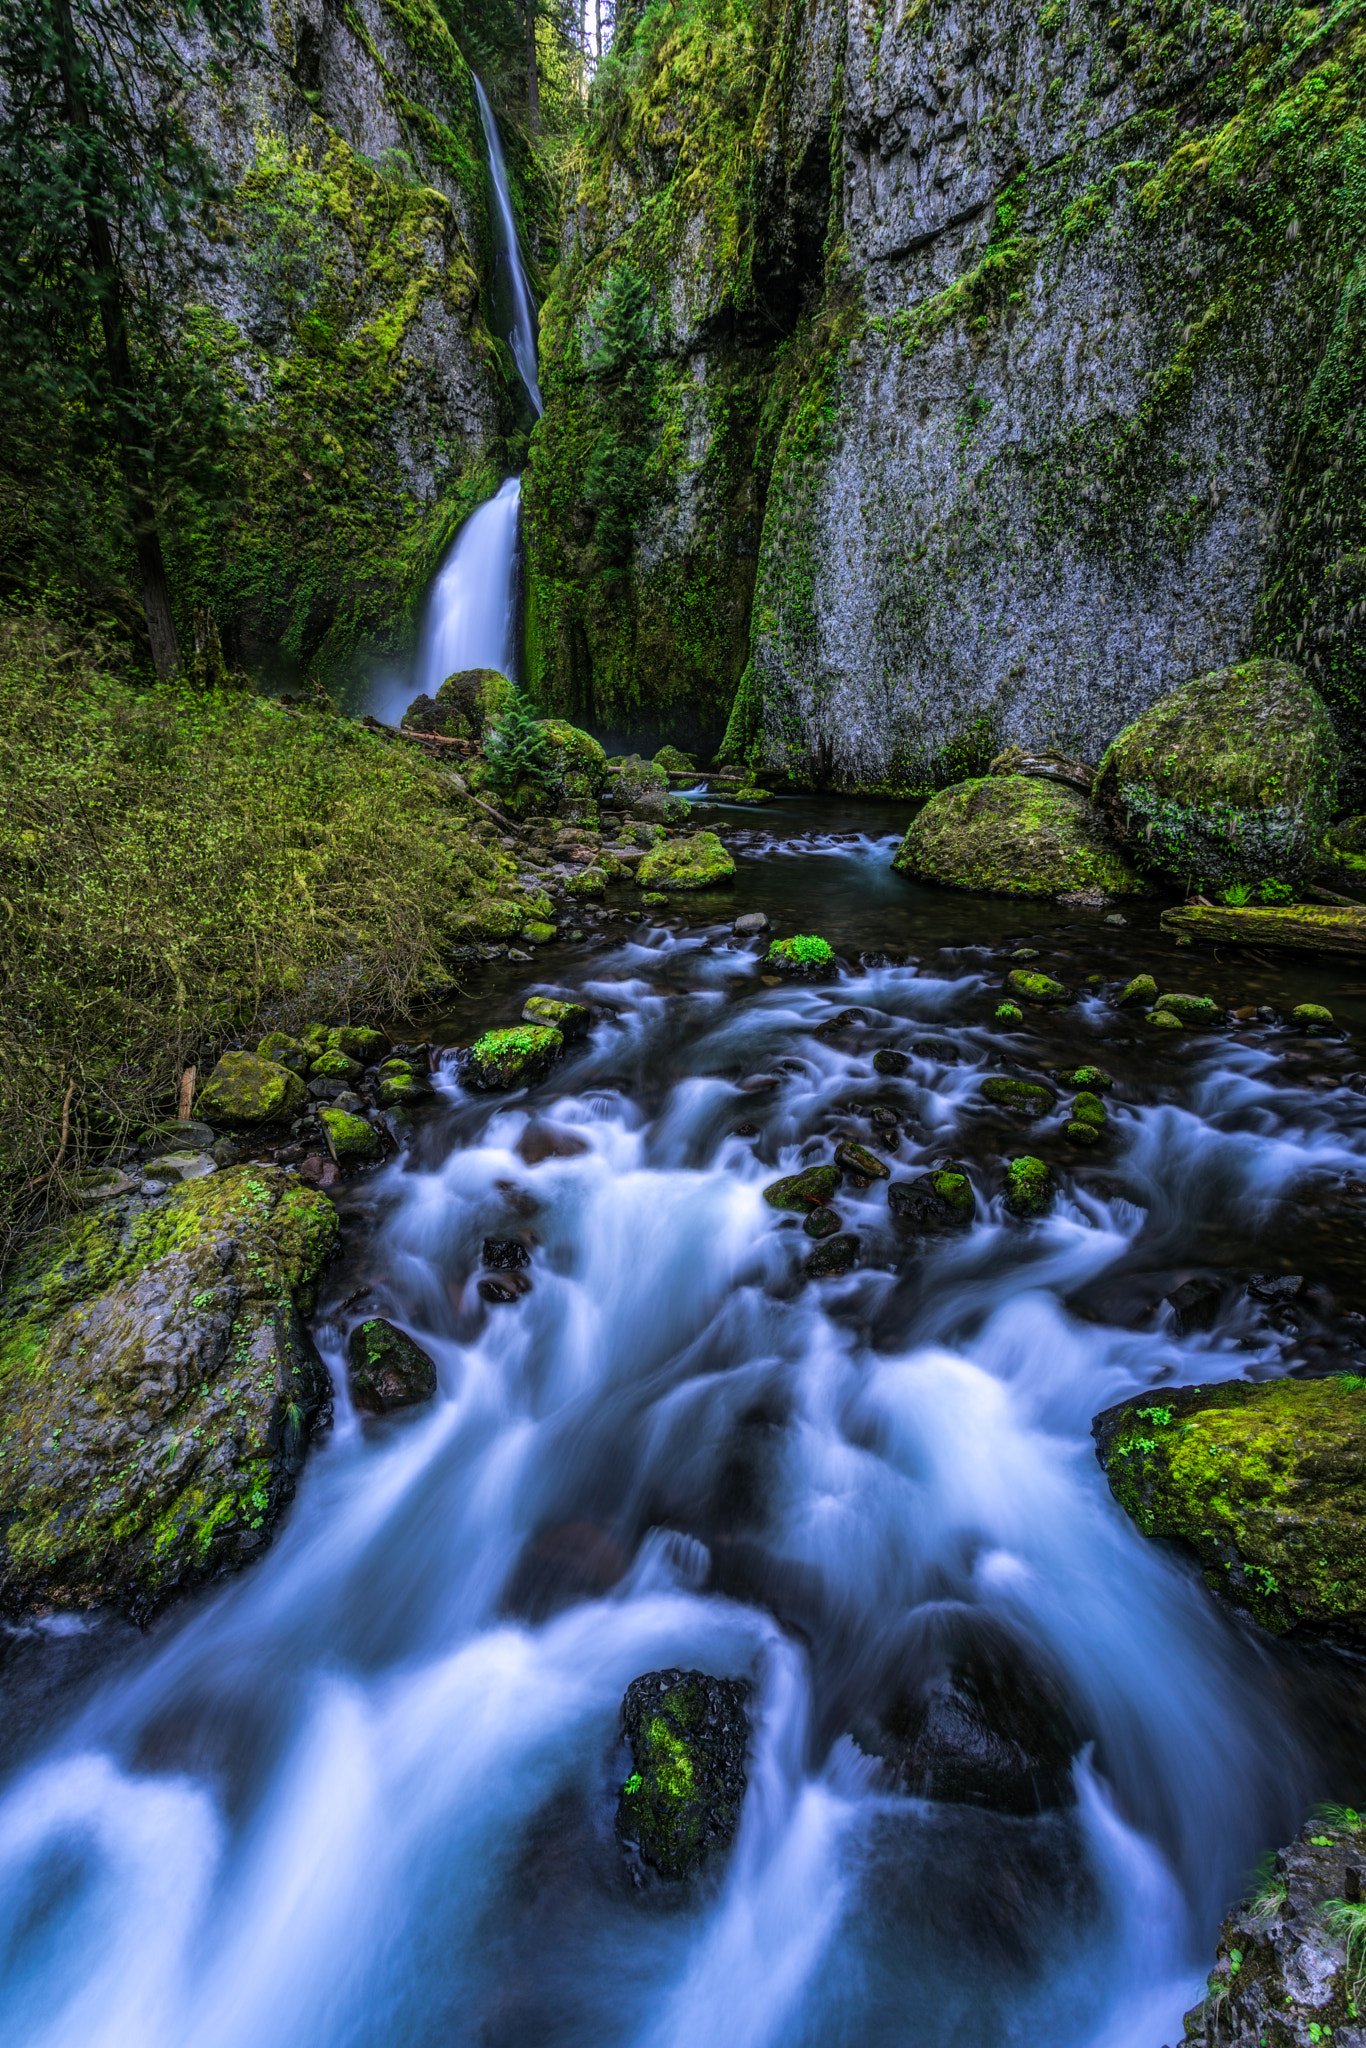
[[1016, 835], [639, 787], [1231, 779], [245, 1089], [462, 706], [688, 1735], [699, 861], [156, 1389], [1265, 1483], [578, 769]]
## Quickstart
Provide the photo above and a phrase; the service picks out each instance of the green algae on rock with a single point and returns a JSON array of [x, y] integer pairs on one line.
[[156, 1389], [1039, 989], [1009, 1014], [802, 1191], [350, 1139], [1027, 1098], [514, 1057], [1229, 779], [804, 954], [571, 1020], [699, 861], [386, 1370], [1016, 836], [245, 1089], [688, 1734], [1028, 1186], [1265, 1483]]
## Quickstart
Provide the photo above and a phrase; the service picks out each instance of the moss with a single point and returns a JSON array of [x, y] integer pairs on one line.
[[1142, 989], [1265, 1483], [696, 862], [805, 953], [1009, 1014], [350, 1139], [1090, 1077], [513, 1056], [856, 1159], [1089, 1109], [1191, 1009], [570, 1019], [1303, 925], [681, 1802], [244, 1089], [1016, 835], [1028, 1186], [1038, 989], [1027, 1098], [1165, 1020], [1311, 1016], [335, 1066], [284, 1051], [810, 1189], [1230, 778]]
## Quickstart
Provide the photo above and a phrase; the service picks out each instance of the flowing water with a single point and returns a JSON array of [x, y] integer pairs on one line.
[[514, 308], [472, 610], [364, 1793]]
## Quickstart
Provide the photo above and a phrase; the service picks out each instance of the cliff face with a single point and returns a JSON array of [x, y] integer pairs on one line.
[[340, 301], [1008, 357]]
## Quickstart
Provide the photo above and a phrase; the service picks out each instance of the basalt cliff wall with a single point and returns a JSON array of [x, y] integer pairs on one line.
[[999, 371]]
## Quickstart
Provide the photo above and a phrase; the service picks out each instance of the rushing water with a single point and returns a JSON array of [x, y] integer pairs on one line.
[[511, 292], [472, 608], [364, 1793]]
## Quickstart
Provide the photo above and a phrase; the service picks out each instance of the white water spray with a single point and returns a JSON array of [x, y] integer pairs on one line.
[[472, 610]]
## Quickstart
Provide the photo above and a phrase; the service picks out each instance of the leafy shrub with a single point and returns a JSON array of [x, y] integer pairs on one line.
[[517, 749]]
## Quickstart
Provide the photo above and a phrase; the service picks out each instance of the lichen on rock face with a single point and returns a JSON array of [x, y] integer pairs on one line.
[[1266, 1483], [245, 1089], [1229, 779], [156, 1389], [688, 1734], [697, 862], [1015, 835]]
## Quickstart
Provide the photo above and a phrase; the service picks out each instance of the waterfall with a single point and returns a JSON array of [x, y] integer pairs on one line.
[[472, 610], [509, 279]]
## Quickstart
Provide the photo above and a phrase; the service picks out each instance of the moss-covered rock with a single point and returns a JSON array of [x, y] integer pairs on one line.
[[1040, 989], [810, 1189], [1089, 1109], [835, 1256], [401, 1085], [1190, 1009], [1009, 1014], [463, 707], [1028, 1186], [1311, 1017], [675, 763], [1137, 993], [588, 882], [1016, 836], [856, 1159], [1083, 1077], [639, 787], [360, 1042], [488, 920], [1026, 1098], [688, 1735], [335, 1066], [283, 1051], [571, 1020], [941, 1200], [385, 1369], [245, 1089], [1265, 1483], [578, 771], [1165, 1020], [1229, 779], [156, 1389], [350, 1139], [804, 955], [699, 861], [514, 1057]]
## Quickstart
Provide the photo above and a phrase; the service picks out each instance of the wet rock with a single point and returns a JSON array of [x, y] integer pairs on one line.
[[837, 1255], [350, 1139], [811, 1189], [975, 1720], [1094, 1078], [1140, 991], [941, 1200], [822, 1223], [386, 1370], [844, 1020], [505, 1254], [886, 1061], [1047, 764], [688, 1734], [358, 1042], [638, 787], [882, 1118], [673, 762], [1009, 1014], [284, 1051], [941, 1049], [751, 924], [1311, 1016], [1028, 1186], [1229, 779], [333, 1065], [400, 1083], [1194, 1305], [1026, 1098], [577, 769], [1276, 1287], [1089, 1109], [1165, 1020], [759, 1084], [1191, 1009], [1265, 1483], [245, 1089], [1286, 1967], [1015, 835], [856, 1159], [1039, 989], [174, 1166], [500, 1288], [571, 1020], [591, 882], [549, 1141], [699, 861], [156, 1388], [513, 1058], [804, 956]]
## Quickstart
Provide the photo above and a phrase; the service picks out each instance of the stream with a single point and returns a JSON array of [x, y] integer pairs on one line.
[[364, 1792]]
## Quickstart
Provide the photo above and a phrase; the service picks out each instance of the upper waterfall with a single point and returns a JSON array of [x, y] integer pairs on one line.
[[509, 277]]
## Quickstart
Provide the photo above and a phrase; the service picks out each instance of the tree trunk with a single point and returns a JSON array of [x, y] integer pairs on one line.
[[533, 88], [597, 23], [1298, 924], [137, 477]]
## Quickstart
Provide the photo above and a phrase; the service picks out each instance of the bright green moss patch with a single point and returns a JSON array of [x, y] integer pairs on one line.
[[513, 1056], [804, 949], [688, 1734], [1267, 1484], [1028, 1186]]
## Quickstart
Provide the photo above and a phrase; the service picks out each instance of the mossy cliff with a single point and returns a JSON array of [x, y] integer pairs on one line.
[[156, 1389], [1012, 359]]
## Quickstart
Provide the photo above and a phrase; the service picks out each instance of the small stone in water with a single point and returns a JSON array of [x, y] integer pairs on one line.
[[857, 1159], [942, 1049], [1009, 1014], [1165, 1021], [836, 1255], [1311, 1015], [1083, 1077], [882, 1117], [888, 1062], [1142, 989], [1190, 1009], [752, 921], [1114, 918], [1028, 1098], [1035, 988], [1082, 1134], [745, 1131], [821, 1223], [801, 1191], [1025, 953], [1276, 1286], [505, 1254], [1029, 1186]]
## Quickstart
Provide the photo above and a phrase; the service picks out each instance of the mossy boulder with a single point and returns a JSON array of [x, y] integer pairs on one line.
[[335, 1066], [587, 883], [1039, 989], [284, 1051], [578, 768], [358, 1042], [513, 1058], [1026, 1098], [1165, 1020], [350, 1139], [675, 763], [1015, 836], [1311, 1017], [699, 861], [804, 956], [571, 1020], [1229, 779], [1191, 1009], [1137, 993], [803, 1191], [688, 1734], [245, 1089], [639, 787], [156, 1389], [488, 920], [941, 1200], [385, 1369], [463, 706], [401, 1085], [1265, 1483], [855, 1159], [1028, 1186]]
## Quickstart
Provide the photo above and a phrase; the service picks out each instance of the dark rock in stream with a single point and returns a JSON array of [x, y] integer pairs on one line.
[[387, 1370], [941, 1200], [688, 1734], [803, 1191], [1288, 1967], [837, 1255]]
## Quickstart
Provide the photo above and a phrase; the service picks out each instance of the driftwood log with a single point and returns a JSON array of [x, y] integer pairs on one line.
[[1047, 766], [1328, 930]]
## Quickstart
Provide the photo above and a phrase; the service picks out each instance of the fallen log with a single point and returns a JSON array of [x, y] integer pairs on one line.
[[1305, 925]]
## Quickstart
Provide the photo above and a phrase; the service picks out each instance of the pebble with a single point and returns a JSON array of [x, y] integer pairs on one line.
[[753, 921], [1114, 918]]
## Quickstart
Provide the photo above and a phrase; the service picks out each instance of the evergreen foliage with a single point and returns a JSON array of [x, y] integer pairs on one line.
[[517, 749]]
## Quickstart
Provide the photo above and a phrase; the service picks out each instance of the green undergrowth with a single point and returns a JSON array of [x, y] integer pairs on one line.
[[175, 867]]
